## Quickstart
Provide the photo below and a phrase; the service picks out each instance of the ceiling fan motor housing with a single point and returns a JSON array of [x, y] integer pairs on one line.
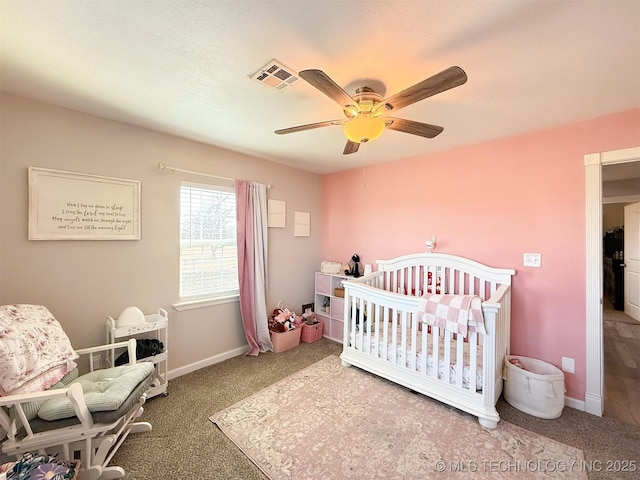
[[366, 111], [366, 99]]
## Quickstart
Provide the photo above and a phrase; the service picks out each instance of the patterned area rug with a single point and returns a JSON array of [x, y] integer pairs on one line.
[[331, 422]]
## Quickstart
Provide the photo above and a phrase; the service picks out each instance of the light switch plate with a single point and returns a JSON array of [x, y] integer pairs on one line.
[[532, 260], [568, 365]]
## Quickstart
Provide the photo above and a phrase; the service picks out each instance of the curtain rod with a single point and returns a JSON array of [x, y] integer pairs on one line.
[[162, 166]]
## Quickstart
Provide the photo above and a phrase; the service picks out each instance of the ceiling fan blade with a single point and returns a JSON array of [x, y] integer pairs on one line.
[[331, 89], [414, 128], [351, 147], [440, 82], [310, 126]]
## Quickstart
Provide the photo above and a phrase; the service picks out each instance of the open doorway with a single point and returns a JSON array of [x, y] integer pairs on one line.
[[621, 332], [594, 163]]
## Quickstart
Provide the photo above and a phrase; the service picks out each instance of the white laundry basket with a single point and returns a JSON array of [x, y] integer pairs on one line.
[[538, 389]]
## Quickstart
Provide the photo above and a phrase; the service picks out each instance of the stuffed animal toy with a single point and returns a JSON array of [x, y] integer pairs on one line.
[[326, 304], [355, 267], [286, 319], [309, 317], [283, 320]]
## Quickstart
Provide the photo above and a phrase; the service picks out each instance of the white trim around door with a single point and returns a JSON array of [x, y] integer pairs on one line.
[[594, 400]]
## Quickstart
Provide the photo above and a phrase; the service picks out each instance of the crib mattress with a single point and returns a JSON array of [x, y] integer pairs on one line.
[[386, 351]]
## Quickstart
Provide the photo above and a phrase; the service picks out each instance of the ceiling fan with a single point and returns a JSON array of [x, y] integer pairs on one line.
[[367, 113]]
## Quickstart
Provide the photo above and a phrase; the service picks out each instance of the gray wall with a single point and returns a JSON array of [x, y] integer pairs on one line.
[[82, 282]]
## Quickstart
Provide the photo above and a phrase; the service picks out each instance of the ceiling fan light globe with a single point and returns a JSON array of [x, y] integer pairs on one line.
[[364, 129]]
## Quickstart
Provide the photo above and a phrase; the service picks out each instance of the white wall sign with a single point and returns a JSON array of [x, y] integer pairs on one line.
[[77, 206], [301, 224], [276, 213]]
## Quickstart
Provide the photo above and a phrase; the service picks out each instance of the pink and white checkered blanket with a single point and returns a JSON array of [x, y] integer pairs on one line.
[[456, 313]]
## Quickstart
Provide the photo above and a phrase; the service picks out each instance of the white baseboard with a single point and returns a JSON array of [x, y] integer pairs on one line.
[[192, 367], [594, 404], [574, 403]]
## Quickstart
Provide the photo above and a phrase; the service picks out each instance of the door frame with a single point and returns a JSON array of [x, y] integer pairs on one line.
[[594, 391]]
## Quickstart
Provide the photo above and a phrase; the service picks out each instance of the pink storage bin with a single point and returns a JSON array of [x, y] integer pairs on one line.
[[285, 340], [323, 284], [312, 333]]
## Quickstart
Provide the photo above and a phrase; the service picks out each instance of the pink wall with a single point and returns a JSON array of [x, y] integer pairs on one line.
[[491, 202]]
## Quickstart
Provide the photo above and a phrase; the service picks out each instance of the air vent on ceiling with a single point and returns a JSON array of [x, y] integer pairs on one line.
[[276, 75]]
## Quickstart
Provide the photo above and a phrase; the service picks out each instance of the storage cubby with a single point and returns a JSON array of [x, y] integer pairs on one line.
[[329, 307]]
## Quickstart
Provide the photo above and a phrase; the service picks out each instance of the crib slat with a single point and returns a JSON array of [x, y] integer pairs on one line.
[[375, 321], [424, 351], [446, 374], [425, 279], [450, 281], [394, 335], [473, 360], [358, 322], [432, 286], [436, 350], [364, 328], [370, 326], [403, 336], [459, 360], [414, 341], [352, 319], [385, 335]]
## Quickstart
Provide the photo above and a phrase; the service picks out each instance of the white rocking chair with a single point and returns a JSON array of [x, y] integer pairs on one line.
[[85, 419]]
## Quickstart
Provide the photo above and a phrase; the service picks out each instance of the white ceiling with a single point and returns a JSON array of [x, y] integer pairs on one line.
[[183, 67]]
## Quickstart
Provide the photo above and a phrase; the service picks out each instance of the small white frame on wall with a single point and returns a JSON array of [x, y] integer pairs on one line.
[[78, 206], [276, 213], [301, 224]]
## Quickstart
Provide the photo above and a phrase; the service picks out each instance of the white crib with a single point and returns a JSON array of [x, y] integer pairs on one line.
[[382, 336]]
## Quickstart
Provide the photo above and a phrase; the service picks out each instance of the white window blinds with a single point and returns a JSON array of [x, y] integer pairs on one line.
[[208, 251]]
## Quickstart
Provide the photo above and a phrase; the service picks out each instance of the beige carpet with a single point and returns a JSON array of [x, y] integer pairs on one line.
[[330, 422], [611, 315]]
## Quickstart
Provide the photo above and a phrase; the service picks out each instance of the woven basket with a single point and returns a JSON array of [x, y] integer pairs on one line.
[[311, 333]]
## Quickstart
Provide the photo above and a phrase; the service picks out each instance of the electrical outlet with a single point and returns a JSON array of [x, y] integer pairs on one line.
[[532, 259], [568, 365]]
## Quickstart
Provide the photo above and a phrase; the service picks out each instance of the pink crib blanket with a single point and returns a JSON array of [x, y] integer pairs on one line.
[[34, 350], [456, 313]]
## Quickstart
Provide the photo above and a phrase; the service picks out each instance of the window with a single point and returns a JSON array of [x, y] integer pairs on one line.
[[208, 251]]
